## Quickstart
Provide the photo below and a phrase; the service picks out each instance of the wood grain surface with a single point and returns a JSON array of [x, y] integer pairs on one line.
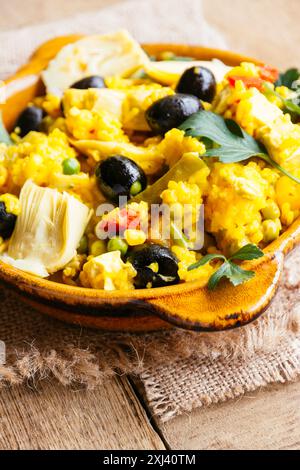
[[115, 416], [267, 419], [55, 417]]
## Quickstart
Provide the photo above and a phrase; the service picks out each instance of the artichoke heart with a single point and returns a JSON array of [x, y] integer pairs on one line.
[[47, 231], [106, 55]]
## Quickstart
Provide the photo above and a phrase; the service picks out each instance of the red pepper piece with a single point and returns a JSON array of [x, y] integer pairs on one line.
[[249, 82], [268, 74], [126, 218]]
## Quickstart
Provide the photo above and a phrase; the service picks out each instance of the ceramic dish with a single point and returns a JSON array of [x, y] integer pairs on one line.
[[187, 305]]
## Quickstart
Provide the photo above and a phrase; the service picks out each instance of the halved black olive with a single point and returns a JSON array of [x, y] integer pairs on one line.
[[145, 277], [171, 111], [7, 221], [29, 120], [120, 176], [94, 81], [198, 81], [141, 257]]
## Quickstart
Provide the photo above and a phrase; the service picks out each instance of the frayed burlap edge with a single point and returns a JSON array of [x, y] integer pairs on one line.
[[88, 356], [211, 382]]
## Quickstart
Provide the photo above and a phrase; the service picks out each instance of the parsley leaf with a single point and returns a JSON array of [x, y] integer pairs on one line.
[[4, 135], [291, 79], [223, 271], [248, 252], [234, 144], [288, 78], [205, 259], [229, 269]]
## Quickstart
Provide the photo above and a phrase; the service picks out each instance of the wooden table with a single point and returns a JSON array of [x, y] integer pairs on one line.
[[115, 416]]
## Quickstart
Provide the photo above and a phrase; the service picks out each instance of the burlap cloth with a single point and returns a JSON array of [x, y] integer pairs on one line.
[[179, 370]]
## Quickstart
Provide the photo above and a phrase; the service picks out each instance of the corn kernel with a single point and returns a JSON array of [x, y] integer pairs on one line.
[[154, 266], [134, 237]]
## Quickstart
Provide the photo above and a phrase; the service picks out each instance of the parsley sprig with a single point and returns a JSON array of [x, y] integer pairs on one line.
[[229, 269], [234, 144], [289, 78]]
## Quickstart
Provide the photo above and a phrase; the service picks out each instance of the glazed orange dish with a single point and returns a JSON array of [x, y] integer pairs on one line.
[[140, 172]]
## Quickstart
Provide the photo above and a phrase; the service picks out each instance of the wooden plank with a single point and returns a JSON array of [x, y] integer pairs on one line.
[[56, 417], [268, 419]]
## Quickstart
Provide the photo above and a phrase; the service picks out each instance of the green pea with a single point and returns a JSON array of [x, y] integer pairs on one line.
[[117, 244], [136, 188], [83, 245], [98, 248], [71, 166]]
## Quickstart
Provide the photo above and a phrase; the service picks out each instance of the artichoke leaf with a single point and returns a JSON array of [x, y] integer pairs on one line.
[[47, 231], [106, 55]]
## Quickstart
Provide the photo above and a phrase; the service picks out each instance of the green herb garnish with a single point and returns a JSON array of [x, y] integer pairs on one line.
[[4, 135], [229, 269], [234, 144], [290, 105], [289, 78]]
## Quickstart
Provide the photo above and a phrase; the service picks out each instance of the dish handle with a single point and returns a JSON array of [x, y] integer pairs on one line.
[[227, 306]]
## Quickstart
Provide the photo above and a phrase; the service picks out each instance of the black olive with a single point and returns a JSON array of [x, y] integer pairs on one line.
[[145, 276], [30, 120], [120, 176], [94, 81], [171, 111], [7, 221], [142, 256], [198, 81]]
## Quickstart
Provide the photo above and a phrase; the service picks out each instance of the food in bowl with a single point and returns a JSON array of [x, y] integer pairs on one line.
[[117, 133]]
